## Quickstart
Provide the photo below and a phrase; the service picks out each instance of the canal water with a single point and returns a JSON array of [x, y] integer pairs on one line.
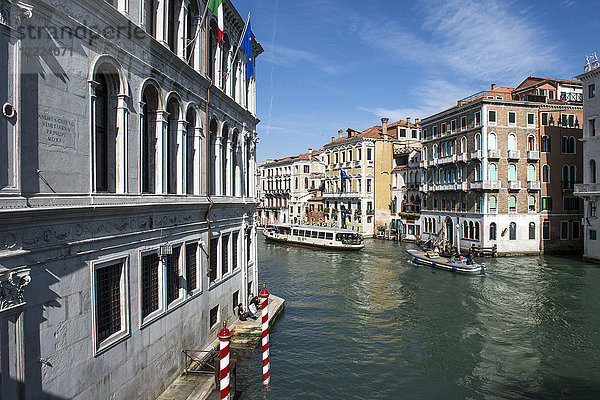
[[370, 325]]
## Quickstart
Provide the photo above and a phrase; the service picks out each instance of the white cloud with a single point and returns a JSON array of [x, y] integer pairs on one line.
[[289, 57]]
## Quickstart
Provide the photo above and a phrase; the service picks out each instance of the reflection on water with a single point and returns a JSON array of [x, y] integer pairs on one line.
[[369, 324]]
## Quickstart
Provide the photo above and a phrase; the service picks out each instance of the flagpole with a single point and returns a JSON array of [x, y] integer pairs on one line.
[[238, 46]]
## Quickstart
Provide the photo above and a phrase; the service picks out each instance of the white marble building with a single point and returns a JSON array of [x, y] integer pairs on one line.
[[127, 193], [590, 188]]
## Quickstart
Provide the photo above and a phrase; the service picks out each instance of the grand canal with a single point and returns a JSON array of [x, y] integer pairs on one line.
[[370, 325]]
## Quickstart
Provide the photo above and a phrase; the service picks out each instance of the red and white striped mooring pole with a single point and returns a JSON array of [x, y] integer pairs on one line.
[[264, 295], [224, 339]]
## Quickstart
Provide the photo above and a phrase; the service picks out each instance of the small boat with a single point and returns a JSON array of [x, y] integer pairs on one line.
[[314, 236], [461, 265]]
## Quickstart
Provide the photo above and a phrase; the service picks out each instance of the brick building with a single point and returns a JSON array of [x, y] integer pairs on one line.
[[488, 163]]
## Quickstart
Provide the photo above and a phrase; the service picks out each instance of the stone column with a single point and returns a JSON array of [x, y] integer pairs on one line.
[[92, 85], [198, 152], [121, 144], [160, 157], [181, 166], [218, 171]]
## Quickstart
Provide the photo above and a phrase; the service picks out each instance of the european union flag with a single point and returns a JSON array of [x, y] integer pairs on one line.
[[344, 175], [247, 47]]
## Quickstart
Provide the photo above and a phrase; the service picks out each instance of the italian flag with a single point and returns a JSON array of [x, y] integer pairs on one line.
[[216, 6]]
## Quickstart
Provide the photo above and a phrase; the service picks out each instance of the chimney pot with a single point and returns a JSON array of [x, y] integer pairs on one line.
[[408, 120], [333, 138], [493, 86], [340, 133], [310, 149], [384, 122], [417, 120]]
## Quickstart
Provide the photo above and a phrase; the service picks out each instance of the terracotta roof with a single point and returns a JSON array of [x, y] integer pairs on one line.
[[304, 156], [536, 80]]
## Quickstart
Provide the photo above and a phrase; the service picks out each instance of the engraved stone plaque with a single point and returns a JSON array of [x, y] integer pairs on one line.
[[57, 130]]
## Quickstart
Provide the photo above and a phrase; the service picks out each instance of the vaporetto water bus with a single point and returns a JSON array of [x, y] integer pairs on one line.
[[315, 236]]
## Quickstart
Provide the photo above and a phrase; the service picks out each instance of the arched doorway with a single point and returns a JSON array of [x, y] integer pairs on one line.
[[449, 231]]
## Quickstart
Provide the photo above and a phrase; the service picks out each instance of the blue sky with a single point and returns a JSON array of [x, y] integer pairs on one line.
[[335, 64]]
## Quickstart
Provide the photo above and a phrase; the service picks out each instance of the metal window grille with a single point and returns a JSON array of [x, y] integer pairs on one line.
[[108, 300], [213, 259], [214, 312], [149, 284], [234, 251], [191, 266], [173, 275], [225, 254]]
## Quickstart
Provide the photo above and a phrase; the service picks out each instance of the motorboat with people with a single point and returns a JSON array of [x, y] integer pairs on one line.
[[315, 236], [447, 261]]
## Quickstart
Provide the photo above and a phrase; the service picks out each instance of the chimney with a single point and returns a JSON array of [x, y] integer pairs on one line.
[[416, 121], [384, 122], [333, 138], [340, 133], [408, 120], [310, 149], [493, 86]]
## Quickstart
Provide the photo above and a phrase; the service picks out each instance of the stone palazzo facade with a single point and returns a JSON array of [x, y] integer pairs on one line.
[[127, 192]]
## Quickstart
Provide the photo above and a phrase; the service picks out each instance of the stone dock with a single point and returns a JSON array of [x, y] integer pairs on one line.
[[246, 337]]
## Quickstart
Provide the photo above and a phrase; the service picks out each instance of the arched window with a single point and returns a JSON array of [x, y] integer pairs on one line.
[[305, 183], [573, 174], [512, 141], [109, 140], [225, 160], [531, 203], [571, 146], [512, 172], [564, 144], [532, 230], [512, 231], [545, 147], [478, 171], [492, 204], [512, 204], [465, 230], [148, 17], [463, 145], [148, 160], [493, 172], [492, 142], [546, 173], [592, 171], [192, 158], [171, 25], [531, 173], [424, 155], [435, 151], [493, 231], [471, 230], [191, 45], [214, 166], [477, 141], [173, 145], [476, 231], [530, 143], [235, 161]]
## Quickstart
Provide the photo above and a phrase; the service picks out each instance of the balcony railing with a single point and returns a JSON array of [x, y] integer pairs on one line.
[[494, 153], [477, 155], [587, 189], [423, 164], [514, 154], [492, 185], [572, 97], [533, 155], [447, 160], [423, 188], [514, 185], [342, 194], [533, 185], [461, 157], [476, 185]]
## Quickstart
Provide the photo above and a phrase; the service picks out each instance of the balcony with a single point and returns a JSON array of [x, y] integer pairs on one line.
[[345, 195], [571, 97], [461, 186], [587, 189], [476, 185], [477, 155], [423, 164], [533, 155], [494, 154], [423, 188], [461, 157], [533, 185], [447, 160], [514, 185], [491, 185], [514, 154], [357, 163], [434, 161]]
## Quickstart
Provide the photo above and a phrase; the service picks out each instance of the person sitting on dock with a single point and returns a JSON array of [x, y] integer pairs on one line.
[[470, 259], [244, 315]]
